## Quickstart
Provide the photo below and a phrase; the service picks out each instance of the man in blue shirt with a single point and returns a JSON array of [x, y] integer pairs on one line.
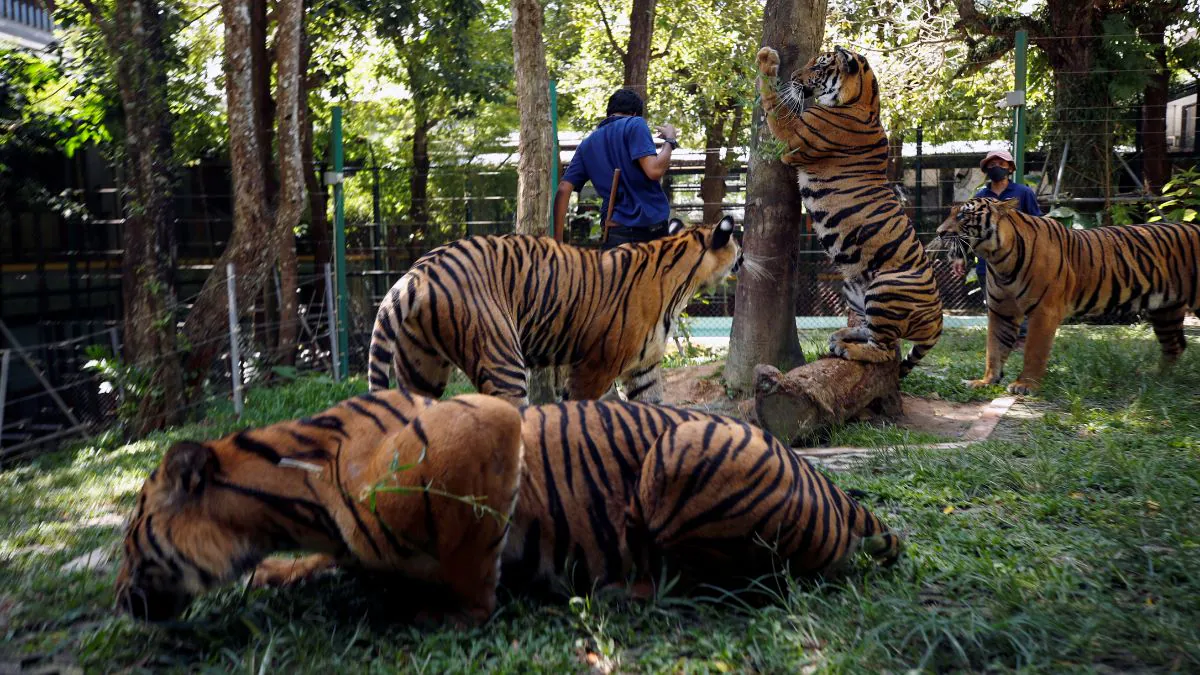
[[998, 164], [622, 141]]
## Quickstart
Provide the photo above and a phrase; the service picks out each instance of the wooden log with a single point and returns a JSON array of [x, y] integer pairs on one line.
[[795, 405]]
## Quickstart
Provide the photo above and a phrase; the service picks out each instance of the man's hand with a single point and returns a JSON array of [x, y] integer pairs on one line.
[[958, 266], [768, 62], [667, 131]]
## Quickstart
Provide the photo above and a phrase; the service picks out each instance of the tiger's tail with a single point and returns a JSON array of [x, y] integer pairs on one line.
[[396, 306], [914, 357], [878, 540]]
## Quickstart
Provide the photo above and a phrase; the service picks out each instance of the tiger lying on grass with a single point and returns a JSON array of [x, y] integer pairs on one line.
[[1041, 269], [496, 306], [579, 494], [827, 113]]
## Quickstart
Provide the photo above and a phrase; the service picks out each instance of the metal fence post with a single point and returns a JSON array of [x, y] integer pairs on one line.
[[917, 177], [235, 359], [4, 357], [554, 232], [339, 239], [1019, 110], [333, 331]]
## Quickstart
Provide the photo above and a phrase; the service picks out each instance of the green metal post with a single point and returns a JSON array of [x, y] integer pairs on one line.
[[1019, 111], [339, 242], [553, 153]]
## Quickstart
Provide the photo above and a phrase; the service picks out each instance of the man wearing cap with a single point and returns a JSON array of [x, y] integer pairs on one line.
[[622, 141], [998, 164]]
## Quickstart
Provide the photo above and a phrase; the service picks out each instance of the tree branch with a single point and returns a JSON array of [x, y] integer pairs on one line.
[[612, 41], [98, 18], [670, 38]]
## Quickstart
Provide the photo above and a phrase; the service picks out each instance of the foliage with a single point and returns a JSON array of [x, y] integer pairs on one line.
[[131, 383], [1181, 205], [1067, 543]]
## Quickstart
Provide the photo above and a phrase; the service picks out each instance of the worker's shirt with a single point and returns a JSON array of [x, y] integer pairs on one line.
[[618, 143]]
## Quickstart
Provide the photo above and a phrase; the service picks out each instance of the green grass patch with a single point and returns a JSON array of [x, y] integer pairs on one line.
[[1075, 549]]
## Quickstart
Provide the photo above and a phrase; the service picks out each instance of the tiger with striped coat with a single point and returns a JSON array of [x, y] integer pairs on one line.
[[469, 492], [828, 117], [496, 306], [1039, 269]]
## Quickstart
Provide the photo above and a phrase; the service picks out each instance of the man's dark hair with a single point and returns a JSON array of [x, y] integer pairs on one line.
[[627, 102]]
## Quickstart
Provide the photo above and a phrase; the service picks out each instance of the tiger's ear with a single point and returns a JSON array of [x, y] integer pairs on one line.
[[187, 469], [847, 60], [722, 233], [674, 226], [1007, 206]]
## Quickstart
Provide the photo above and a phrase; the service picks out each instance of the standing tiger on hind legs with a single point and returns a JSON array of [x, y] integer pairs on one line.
[[828, 116], [496, 306]]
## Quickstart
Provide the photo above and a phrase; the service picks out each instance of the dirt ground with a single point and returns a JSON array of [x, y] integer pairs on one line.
[[701, 387]]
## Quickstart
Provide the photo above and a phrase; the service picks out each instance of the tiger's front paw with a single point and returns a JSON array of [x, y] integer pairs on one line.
[[838, 348], [1023, 387], [978, 384], [768, 62]]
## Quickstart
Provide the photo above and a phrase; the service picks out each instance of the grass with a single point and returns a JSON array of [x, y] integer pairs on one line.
[[1074, 546]]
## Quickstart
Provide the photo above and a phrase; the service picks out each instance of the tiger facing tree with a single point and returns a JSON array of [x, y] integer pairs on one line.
[[828, 117], [574, 496], [496, 306], [1038, 268]]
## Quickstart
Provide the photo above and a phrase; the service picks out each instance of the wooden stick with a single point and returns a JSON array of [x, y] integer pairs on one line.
[[612, 201]]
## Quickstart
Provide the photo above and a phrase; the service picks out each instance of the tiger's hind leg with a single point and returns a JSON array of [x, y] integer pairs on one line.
[[1168, 328]]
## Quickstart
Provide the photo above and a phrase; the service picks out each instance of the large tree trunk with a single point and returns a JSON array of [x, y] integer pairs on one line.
[[318, 208], [828, 391], [637, 53], [712, 185], [533, 102], [135, 39], [535, 146], [764, 328], [1156, 170], [290, 19], [253, 246], [418, 182]]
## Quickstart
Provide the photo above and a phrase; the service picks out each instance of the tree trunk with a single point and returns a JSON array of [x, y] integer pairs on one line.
[[764, 328], [318, 208], [1156, 169], [418, 182], [1082, 103], [290, 19], [535, 147], [826, 392], [712, 185], [139, 48], [262, 94], [637, 53], [533, 102], [253, 246]]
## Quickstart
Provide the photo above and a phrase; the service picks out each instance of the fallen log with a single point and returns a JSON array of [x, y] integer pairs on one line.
[[795, 405]]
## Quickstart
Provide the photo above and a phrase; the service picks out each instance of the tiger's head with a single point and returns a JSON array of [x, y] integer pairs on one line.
[[181, 540], [721, 254], [837, 78], [972, 223]]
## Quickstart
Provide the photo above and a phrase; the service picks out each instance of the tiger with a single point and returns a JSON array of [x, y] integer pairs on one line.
[[576, 495], [828, 117], [1039, 269], [495, 306]]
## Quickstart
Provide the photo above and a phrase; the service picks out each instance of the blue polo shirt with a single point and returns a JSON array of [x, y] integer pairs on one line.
[[618, 143], [1026, 203]]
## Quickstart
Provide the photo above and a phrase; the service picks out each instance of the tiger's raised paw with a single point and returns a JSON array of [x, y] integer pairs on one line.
[[1022, 388], [768, 62]]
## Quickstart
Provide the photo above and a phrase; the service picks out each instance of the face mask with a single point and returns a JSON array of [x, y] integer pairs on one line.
[[997, 173]]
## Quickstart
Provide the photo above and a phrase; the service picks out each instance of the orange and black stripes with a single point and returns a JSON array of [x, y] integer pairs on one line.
[[496, 306], [828, 117], [1039, 269], [581, 494]]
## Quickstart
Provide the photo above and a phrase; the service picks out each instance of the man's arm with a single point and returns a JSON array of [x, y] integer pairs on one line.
[[1031, 205], [562, 199], [655, 166]]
